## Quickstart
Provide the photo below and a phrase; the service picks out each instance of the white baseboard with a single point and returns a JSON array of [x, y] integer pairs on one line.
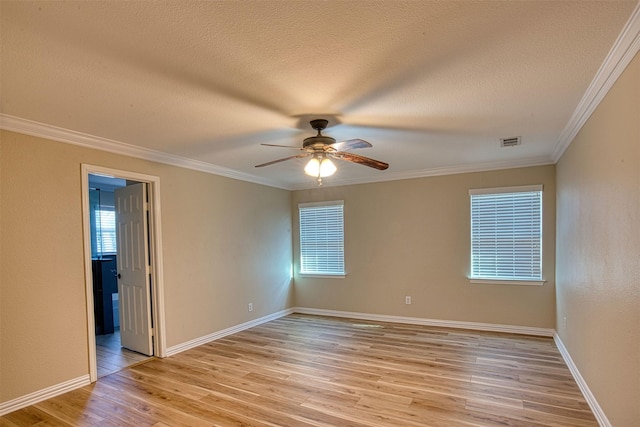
[[364, 316], [523, 330], [58, 389], [44, 394], [582, 384], [223, 333]]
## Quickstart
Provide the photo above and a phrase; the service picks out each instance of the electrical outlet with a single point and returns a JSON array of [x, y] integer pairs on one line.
[[250, 306], [565, 321], [407, 300]]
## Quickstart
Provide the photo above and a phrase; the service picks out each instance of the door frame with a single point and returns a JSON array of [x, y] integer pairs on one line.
[[155, 249]]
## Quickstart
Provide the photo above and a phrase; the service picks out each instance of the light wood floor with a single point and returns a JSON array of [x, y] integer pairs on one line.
[[111, 357], [314, 371]]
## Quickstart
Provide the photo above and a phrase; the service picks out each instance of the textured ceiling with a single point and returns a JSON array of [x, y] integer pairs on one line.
[[432, 85]]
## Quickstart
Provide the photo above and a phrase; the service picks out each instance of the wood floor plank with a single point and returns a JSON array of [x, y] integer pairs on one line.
[[112, 357], [312, 371], [32, 416]]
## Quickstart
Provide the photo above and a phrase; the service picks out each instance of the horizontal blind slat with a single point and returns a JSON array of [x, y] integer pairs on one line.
[[506, 235], [322, 239], [105, 230]]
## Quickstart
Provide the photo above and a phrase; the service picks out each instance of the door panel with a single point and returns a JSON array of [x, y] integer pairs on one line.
[[133, 268]]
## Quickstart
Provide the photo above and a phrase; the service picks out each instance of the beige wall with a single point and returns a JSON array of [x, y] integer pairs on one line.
[[411, 237], [598, 244], [226, 243], [402, 238]]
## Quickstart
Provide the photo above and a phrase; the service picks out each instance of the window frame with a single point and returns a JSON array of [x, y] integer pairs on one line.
[[506, 280], [101, 231], [324, 273]]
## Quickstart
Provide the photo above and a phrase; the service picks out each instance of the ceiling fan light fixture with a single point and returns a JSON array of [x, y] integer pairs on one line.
[[327, 168], [320, 167], [313, 167]]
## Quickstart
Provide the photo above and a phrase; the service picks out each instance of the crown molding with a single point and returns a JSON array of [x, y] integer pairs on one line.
[[423, 173], [30, 127], [621, 54], [623, 51]]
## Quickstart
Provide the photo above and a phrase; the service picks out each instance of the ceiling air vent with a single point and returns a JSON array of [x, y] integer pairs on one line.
[[510, 142]]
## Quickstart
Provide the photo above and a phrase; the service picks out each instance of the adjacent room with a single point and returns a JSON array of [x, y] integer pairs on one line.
[[320, 213]]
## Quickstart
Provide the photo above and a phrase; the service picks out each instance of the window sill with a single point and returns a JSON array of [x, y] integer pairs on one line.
[[322, 276], [506, 282]]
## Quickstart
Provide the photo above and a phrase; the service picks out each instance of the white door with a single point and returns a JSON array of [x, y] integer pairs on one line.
[[133, 268]]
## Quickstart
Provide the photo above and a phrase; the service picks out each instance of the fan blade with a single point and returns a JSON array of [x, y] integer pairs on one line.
[[350, 144], [282, 146], [299, 156], [354, 158]]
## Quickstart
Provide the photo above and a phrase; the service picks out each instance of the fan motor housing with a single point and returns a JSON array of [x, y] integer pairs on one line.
[[319, 140]]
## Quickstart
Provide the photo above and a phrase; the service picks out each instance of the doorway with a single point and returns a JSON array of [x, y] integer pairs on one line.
[[125, 312]]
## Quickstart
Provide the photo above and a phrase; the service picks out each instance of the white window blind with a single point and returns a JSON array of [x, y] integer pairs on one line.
[[506, 233], [106, 230], [322, 238]]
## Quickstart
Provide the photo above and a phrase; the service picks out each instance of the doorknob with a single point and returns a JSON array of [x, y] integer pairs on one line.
[[119, 276]]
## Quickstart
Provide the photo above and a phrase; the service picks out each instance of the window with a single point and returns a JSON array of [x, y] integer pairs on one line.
[[106, 230], [506, 234], [322, 238]]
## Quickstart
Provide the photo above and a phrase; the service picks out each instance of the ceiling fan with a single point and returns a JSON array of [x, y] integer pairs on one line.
[[320, 148]]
